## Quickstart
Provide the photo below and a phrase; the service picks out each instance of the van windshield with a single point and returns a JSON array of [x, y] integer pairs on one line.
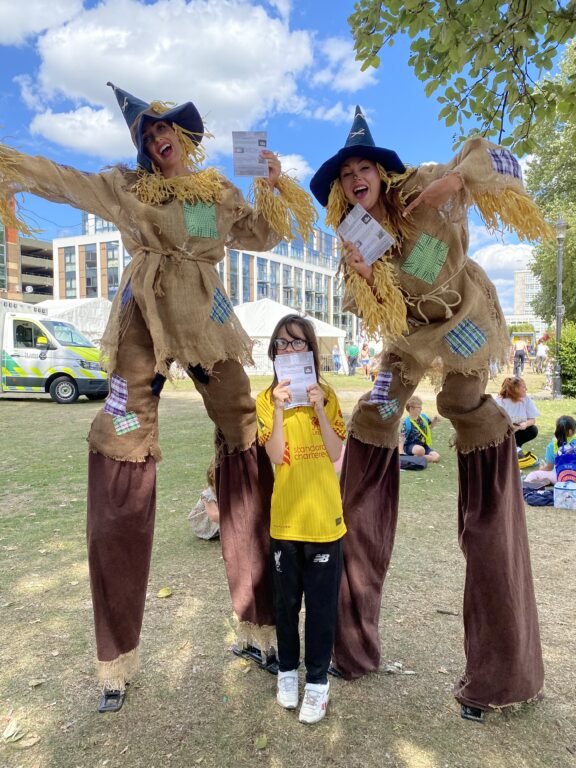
[[66, 334]]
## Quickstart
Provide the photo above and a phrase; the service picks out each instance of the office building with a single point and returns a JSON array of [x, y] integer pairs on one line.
[[300, 275]]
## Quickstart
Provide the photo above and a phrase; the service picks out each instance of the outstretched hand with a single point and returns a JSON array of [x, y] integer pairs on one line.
[[437, 193], [274, 166]]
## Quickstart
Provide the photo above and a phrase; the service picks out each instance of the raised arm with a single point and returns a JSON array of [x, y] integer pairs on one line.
[[93, 192]]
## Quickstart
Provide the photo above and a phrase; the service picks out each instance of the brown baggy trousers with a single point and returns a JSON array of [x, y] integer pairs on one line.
[[122, 503], [502, 640]]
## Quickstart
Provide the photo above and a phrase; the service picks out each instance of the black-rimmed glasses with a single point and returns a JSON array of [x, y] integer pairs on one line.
[[298, 345]]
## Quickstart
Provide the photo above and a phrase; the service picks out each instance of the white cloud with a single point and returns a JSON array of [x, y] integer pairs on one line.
[[77, 130], [282, 6], [20, 20], [296, 166], [341, 72], [480, 236], [525, 164], [249, 63], [337, 113], [503, 258]]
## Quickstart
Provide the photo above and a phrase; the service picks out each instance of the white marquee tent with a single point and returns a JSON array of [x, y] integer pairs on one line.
[[259, 319], [88, 315]]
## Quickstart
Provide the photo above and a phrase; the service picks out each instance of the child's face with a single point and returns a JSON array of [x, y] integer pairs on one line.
[[361, 182], [290, 341], [415, 411]]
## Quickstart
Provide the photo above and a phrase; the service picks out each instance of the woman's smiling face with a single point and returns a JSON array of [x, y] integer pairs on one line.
[[163, 148], [361, 182]]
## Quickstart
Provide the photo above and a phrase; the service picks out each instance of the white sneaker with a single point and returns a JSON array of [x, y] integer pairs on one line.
[[315, 702], [287, 689]]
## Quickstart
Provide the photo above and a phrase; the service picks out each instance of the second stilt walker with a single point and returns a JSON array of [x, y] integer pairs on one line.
[[427, 300]]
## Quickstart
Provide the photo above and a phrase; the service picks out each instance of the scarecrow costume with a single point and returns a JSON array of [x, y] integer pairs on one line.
[[431, 304], [171, 306]]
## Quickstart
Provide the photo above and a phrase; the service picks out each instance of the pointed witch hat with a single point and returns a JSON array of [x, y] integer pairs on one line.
[[136, 111], [358, 144]]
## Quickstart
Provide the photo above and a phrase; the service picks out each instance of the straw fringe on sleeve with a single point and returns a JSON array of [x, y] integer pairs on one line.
[[289, 213]]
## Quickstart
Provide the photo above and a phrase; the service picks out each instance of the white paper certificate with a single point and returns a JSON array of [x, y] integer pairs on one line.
[[246, 147], [367, 235], [299, 368]]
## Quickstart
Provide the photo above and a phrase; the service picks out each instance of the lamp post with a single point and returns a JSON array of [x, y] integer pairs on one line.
[[561, 228]]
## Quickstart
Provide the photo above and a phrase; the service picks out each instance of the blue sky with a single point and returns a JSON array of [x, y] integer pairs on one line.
[[284, 66]]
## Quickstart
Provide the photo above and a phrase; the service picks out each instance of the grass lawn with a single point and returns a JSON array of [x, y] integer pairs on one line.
[[194, 703]]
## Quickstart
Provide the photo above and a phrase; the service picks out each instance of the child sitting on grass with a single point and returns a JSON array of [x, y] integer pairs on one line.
[[205, 516], [416, 432]]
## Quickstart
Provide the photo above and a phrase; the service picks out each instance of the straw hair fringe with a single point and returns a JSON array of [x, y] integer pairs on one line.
[[514, 211], [205, 186], [337, 206], [12, 182], [186, 138], [290, 213], [380, 306]]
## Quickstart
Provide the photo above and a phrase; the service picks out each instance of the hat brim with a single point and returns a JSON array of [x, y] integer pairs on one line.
[[322, 180], [186, 116]]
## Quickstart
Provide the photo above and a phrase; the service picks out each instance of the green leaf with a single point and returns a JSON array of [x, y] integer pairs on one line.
[[261, 742]]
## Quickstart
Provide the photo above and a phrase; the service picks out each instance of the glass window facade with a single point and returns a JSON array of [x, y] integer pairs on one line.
[[246, 277], [112, 267], [91, 262], [233, 275], [274, 292], [262, 282], [69, 254]]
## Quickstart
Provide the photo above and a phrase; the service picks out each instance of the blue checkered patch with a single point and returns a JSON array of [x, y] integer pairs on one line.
[[465, 339], [221, 307], [117, 400], [381, 387], [504, 162], [388, 408]]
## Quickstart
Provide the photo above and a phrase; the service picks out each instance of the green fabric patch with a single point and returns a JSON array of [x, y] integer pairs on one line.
[[127, 423], [200, 220], [426, 258]]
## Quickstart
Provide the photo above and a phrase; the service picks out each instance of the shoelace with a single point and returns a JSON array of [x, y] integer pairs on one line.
[[312, 698], [287, 684]]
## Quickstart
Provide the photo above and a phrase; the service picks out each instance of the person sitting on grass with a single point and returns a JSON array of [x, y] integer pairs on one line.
[[513, 398], [416, 432], [205, 516], [564, 436]]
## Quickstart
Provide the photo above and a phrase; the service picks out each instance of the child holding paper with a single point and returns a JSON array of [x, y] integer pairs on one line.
[[307, 524]]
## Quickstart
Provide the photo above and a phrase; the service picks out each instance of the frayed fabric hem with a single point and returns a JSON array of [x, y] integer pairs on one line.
[[263, 637], [113, 675], [378, 442], [464, 447], [498, 707]]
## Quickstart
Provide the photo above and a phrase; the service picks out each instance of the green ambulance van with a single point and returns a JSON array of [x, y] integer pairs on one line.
[[42, 355]]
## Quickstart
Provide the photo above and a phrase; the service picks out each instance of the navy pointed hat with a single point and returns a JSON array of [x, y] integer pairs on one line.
[[135, 112], [358, 144]]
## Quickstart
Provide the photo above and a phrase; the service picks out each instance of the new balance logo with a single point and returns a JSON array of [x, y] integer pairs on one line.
[[321, 558], [277, 556]]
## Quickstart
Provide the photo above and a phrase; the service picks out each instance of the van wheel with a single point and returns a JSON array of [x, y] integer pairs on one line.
[[64, 390]]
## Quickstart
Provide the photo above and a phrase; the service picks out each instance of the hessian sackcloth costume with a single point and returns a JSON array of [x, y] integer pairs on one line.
[[429, 302], [171, 305]]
